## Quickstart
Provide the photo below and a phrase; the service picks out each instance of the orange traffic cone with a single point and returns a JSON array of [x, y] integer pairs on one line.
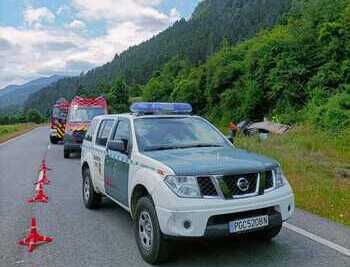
[[34, 238], [43, 178], [44, 166], [40, 195]]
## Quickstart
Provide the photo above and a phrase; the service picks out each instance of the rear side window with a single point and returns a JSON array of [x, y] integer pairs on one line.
[[103, 132], [91, 130]]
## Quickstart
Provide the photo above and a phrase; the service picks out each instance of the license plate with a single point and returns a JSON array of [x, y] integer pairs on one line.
[[248, 224]]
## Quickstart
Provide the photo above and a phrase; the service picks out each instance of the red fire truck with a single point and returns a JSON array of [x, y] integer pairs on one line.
[[58, 120], [80, 114]]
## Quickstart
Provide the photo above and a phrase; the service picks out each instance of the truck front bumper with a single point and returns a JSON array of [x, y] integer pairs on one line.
[[72, 144], [212, 220]]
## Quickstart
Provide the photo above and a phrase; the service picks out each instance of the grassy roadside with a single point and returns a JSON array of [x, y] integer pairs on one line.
[[10, 131], [317, 165]]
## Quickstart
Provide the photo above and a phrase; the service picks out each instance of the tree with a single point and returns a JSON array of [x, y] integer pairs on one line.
[[34, 116], [118, 97]]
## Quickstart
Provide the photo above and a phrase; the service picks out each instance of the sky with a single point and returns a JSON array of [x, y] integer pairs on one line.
[[44, 37]]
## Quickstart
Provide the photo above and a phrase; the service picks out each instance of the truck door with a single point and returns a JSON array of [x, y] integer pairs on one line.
[[117, 165], [99, 153]]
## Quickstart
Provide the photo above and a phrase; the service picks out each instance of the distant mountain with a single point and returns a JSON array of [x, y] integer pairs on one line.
[[16, 95], [194, 39]]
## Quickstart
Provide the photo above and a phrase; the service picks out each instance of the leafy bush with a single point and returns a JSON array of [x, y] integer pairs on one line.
[[334, 114], [34, 116]]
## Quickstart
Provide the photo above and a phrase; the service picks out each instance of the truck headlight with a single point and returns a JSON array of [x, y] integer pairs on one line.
[[279, 177], [183, 186]]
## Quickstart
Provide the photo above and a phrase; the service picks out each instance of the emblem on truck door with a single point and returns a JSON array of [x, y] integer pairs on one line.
[[243, 184]]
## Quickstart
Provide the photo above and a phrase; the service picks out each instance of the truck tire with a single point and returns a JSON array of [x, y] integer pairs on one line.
[[149, 238], [53, 140], [268, 234], [91, 199], [66, 153]]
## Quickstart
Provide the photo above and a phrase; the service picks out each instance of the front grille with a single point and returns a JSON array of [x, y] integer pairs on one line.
[[78, 136], [207, 187], [240, 185], [236, 186]]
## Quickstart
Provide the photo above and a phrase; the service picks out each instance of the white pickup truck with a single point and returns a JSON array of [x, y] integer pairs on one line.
[[179, 177]]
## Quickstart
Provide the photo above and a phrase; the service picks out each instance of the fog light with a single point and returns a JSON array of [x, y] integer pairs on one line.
[[187, 224]]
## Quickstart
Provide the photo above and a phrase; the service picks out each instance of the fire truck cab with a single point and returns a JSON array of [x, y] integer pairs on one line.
[[80, 114], [58, 120]]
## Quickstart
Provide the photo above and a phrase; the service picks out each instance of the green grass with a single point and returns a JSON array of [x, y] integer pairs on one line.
[[9, 131], [311, 159]]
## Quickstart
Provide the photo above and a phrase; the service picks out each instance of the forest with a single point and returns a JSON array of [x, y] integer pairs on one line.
[[296, 71], [194, 39]]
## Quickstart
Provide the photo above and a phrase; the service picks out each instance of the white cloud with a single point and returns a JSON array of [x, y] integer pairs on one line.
[[42, 49], [136, 11], [77, 25], [37, 16], [62, 9]]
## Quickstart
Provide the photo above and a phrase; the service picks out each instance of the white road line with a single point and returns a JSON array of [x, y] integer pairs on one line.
[[318, 239]]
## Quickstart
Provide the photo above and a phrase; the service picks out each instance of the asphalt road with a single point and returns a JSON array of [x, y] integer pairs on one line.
[[104, 237]]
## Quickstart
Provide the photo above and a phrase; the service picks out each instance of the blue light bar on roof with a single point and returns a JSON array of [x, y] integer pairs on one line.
[[155, 107]]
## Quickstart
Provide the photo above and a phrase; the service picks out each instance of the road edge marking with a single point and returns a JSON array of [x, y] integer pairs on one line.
[[318, 239], [18, 137]]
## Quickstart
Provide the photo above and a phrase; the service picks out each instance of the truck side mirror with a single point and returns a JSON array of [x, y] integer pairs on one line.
[[117, 146]]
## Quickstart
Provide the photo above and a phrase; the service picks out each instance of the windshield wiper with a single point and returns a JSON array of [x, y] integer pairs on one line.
[[162, 148], [182, 146], [203, 145]]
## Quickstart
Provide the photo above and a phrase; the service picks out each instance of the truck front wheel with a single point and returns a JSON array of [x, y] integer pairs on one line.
[[149, 238], [90, 197], [53, 140]]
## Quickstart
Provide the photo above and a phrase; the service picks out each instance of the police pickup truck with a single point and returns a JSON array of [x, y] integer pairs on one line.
[[179, 177]]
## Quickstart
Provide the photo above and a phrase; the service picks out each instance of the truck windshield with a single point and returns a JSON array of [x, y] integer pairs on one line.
[[84, 114], [176, 133], [58, 113]]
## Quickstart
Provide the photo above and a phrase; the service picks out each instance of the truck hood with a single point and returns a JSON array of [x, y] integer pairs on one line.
[[212, 161]]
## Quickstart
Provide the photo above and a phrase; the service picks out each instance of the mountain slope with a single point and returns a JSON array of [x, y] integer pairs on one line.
[[297, 71], [16, 95], [195, 39]]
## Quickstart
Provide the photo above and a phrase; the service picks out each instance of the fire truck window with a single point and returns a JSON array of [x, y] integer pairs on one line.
[[84, 114], [103, 132]]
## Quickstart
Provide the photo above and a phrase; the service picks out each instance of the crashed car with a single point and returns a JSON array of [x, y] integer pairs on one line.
[[180, 178]]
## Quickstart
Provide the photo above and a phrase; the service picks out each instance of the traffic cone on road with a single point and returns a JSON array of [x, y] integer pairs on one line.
[[34, 238], [43, 178], [44, 166], [40, 195]]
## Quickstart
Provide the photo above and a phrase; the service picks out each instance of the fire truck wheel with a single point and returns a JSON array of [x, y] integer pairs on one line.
[[66, 153], [53, 140]]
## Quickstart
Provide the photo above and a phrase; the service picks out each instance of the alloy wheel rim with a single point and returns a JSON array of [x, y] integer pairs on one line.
[[86, 189], [146, 230]]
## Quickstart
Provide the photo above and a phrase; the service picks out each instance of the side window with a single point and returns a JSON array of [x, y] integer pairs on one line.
[[91, 130], [123, 133], [103, 132]]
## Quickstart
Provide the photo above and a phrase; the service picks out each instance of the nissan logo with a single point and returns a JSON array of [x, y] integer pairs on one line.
[[243, 184]]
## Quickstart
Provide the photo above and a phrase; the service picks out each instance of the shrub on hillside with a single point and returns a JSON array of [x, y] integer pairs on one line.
[[334, 114]]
